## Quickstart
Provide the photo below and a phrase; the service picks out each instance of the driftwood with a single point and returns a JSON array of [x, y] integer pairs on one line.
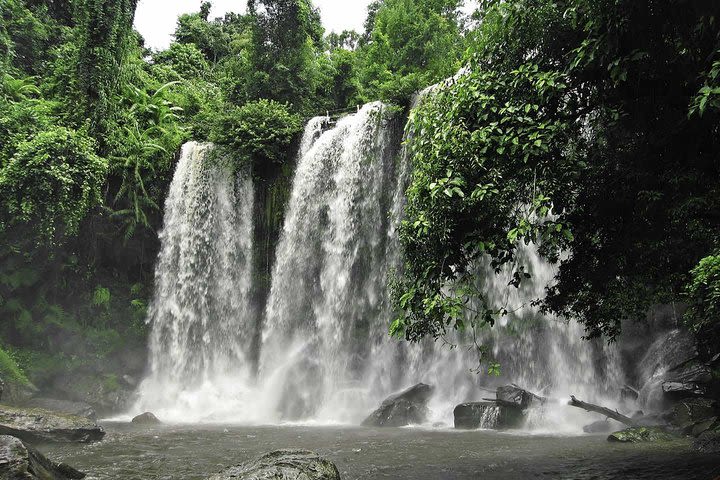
[[614, 414]]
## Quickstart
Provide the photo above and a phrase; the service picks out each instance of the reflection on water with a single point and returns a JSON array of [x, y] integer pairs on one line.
[[195, 452]]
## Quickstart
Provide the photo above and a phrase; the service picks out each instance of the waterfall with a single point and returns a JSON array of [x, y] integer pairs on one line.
[[201, 318], [325, 354]]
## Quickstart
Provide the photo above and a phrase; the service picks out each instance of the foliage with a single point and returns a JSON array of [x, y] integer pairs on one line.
[[285, 36], [703, 293], [261, 131], [559, 134], [54, 179], [9, 370], [410, 45], [103, 36]]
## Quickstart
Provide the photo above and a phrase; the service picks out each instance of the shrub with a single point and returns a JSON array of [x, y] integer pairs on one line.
[[53, 179], [260, 131]]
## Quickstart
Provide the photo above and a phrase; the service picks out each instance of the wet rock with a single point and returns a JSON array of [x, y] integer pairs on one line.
[[79, 409], [704, 426], [708, 442], [640, 435], [514, 395], [19, 461], [147, 418], [687, 413], [129, 380], [283, 465], [470, 416], [36, 424], [601, 426], [667, 361], [688, 380], [406, 408]]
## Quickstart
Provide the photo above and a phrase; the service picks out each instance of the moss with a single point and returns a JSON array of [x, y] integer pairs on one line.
[[640, 435], [111, 383], [10, 371]]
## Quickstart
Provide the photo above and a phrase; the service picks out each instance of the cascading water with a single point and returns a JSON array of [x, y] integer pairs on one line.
[[325, 354], [201, 316]]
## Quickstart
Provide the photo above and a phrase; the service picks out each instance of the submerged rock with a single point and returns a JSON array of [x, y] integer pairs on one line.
[[36, 424], [601, 426], [79, 409], [283, 465], [469, 416], [406, 408], [640, 435], [19, 461], [147, 418]]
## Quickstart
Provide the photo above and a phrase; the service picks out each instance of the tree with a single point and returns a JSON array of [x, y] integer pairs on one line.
[[103, 32], [560, 133], [285, 39], [54, 180], [411, 45], [260, 131]]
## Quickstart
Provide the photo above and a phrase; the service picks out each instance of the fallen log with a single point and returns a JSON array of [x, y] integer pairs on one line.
[[614, 414]]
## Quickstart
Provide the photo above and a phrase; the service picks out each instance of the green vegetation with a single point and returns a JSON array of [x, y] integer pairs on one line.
[[581, 126], [590, 128], [9, 370]]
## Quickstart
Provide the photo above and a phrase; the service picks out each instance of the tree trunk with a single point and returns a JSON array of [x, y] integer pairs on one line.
[[589, 407]]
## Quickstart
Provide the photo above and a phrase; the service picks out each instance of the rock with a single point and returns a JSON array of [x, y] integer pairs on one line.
[[640, 435], [129, 380], [686, 413], [687, 380], [146, 418], [667, 361], [708, 442], [79, 409], [705, 425], [36, 424], [283, 465], [601, 426], [19, 461], [474, 415], [512, 394], [106, 393], [2, 387], [406, 408]]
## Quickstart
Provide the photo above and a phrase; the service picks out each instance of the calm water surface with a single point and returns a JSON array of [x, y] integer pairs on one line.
[[194, 452]]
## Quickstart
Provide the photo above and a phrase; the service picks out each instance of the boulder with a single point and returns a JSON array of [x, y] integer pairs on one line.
[[406, 408], [601, 426], [708, 442], [19, 461], [79, 409], [687, 380], [703, 426], [36, 424], [640, 435], [687, 413], [469, 416], [146, 418], [514, 395], [283, 465]]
